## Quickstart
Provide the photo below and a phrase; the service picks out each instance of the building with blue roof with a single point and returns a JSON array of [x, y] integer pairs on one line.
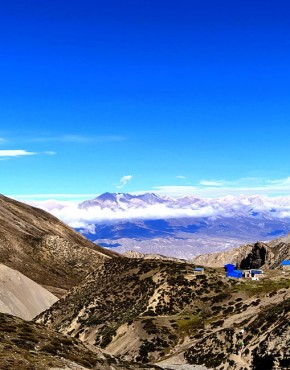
[[285, 265], [198, 270], [237, 274], [229, 267]]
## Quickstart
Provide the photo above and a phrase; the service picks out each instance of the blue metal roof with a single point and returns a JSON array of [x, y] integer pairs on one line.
[[285, 263], [235, 274], [199, 269], [229, 267]]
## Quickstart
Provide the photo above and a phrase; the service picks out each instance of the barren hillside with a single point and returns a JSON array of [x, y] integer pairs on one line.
[[22, 297], [43, 248], [150, 311], [28, 346]]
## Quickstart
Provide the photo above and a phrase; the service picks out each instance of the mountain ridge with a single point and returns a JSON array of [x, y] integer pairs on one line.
[[43, 248], [177, 227]]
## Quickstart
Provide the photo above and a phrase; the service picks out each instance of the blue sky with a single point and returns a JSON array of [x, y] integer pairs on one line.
[[171, 96]]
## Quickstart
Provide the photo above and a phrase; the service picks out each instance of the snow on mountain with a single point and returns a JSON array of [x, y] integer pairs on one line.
[[180, 227], [121, 206]]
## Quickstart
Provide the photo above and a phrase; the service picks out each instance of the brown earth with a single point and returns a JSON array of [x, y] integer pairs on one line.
[[151, 311], [43, 248], [28, 346]]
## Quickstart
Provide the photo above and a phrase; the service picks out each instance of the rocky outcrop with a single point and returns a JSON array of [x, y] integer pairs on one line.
[[259, 255], [250, 256]]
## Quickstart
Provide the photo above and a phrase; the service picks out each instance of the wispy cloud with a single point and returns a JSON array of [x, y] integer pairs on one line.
[[181, 177], [15, 153], [124, 181], [211, 183], [2, 141], [220, 188], [8, 154], [70, 138]]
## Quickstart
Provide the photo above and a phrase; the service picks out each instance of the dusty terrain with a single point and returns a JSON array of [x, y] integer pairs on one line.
[[28, 346], [151, 311], [43, 248], [21, 296]]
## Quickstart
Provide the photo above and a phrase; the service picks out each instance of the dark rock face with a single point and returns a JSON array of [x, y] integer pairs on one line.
[[257, 257], [262, 255]]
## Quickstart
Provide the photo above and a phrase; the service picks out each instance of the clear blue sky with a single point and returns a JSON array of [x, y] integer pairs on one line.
[[171, 93]]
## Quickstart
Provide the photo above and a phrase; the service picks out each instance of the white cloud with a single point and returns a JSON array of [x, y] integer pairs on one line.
[[76, 217], [49, 152], [15, 153], [229, 206], [71, 138], [215, 189], [181, 177], [124, 180], [227, 199], [6, 154], [211, 183]]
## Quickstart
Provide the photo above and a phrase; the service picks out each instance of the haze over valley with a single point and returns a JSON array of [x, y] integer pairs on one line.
[[182, 227]]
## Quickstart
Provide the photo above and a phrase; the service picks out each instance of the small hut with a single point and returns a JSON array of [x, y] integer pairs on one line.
[[252, 273], [198, 270], [229, 267]]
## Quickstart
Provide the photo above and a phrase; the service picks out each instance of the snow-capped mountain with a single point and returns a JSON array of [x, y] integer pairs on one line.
[[179, 227], [122, 201], [229, 206]]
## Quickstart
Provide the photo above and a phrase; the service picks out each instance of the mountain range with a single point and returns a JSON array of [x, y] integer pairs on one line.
[[117, 313], [179, 227]]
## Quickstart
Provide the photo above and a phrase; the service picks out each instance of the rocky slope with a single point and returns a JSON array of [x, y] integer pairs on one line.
[[266, 342], [22, 297], [28, 346], [256, 255], [151, 311], [134, 254], [43, 248]]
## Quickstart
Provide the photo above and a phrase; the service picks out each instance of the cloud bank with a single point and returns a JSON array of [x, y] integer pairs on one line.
[[229, 206]]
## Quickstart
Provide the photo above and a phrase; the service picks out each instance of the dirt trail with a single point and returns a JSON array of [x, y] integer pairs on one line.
[[240, 361]]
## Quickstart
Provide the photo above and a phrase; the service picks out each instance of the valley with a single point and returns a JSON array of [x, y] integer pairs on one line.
[[138, 311], [183, 227]]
